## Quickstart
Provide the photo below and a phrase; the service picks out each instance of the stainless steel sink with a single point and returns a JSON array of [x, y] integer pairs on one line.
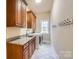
[[30, 35]]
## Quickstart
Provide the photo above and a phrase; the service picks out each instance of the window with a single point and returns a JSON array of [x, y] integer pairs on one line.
[[44, 26]]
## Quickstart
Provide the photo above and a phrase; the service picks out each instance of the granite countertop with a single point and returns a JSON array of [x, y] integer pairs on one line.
[[21, 40]]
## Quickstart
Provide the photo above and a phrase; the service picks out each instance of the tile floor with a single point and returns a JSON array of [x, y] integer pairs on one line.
[[45, 51]]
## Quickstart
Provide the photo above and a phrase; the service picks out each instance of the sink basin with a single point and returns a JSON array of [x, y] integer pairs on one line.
[[30, 36]]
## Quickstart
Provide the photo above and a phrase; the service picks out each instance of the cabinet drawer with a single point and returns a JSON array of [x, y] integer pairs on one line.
[[26, 53], [26, 49], [26, 56], [25, 46]]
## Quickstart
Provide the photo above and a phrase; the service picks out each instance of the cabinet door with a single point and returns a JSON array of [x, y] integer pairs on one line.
[[14, 51], [23, 14], [31, 47], [30, 50], [11, 5], [33, 23], [34, 45], [29, 20], [26, 54], [18, 12]]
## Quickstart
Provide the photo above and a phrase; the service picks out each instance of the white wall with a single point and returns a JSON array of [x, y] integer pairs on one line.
[[62, 37]]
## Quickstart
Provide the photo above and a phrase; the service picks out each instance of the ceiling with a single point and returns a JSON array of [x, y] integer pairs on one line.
[[44, 6]]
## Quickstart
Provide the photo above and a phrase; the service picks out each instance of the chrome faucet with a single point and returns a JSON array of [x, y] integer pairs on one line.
[[26, 34]]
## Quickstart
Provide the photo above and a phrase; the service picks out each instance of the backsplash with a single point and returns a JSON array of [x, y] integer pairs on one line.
[[15, 31], [12, 32]]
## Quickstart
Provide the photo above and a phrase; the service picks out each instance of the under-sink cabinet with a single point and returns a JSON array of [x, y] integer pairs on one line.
[[16, 51]]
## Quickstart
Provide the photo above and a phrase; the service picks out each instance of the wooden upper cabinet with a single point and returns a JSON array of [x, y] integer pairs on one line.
[[23, 11], [17, 16], [31, 20], [16, 13], [34, 23], [11, 13], [20, 14]]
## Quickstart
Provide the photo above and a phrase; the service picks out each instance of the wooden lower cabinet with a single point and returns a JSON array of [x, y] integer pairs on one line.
[[30, 50], [26, 54], [14, 51], [21, 51], [32, 47]]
